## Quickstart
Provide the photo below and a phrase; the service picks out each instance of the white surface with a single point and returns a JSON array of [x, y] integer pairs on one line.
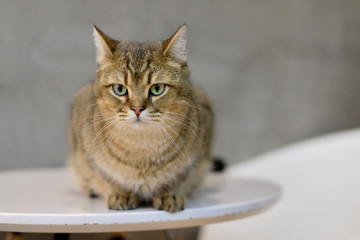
[[320, 180], [46, 200]]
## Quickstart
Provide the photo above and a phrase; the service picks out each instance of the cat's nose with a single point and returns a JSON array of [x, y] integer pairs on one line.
[[137, 109]]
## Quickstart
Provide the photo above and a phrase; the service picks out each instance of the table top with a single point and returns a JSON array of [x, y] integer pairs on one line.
[[320, 184], [46, 200]]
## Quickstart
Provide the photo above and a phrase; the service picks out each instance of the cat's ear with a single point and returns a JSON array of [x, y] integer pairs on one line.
[[175, 46], [105, 46]]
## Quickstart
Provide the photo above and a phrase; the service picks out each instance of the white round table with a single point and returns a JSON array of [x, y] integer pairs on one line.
[[46, 200]]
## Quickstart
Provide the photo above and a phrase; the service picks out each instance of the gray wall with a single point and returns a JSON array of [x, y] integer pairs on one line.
[[277, 71]]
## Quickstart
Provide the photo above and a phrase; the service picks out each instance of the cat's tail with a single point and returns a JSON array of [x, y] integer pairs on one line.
[[218, 165]]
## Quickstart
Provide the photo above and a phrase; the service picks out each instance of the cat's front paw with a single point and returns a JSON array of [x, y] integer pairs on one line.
[[169, 202], [122, 201]]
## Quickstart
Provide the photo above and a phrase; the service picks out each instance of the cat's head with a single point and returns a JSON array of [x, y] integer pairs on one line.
[[142, 82]]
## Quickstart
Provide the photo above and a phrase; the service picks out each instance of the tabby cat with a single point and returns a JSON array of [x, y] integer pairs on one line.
[[141, 132]]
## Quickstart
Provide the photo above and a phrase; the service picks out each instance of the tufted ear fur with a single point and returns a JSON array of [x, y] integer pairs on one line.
[[105, 46], [175, 46]]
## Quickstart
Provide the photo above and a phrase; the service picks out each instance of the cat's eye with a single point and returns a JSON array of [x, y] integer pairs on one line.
[[157, 89], [119, 89]]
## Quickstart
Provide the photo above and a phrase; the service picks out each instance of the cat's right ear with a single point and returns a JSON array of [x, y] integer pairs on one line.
[[105, 46], [175, 46]]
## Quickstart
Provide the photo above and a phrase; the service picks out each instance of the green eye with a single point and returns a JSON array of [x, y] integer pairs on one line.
[[157, 89], [119, 89]]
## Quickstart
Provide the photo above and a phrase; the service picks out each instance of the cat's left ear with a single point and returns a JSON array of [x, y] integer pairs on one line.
[[105, 46], [175, 46]]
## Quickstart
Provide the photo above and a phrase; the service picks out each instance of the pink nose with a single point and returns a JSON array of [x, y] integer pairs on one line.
[[137, 109]]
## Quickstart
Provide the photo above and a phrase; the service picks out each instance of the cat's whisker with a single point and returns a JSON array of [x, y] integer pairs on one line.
[[167, 137], [193, 130], [113, 133], [101, 115], [112, 116], [181, 116], [159, 140], [172, 139], [152, 119], [181, 124], [118, 131], [93, 123], [190, 105], [154, 130], [104, 115], [108, 135], [146, 143], [100, 132], [177, 135], [91, 105], [162, 138]]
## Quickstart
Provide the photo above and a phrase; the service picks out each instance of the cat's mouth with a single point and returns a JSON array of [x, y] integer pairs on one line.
[[139, 120], [138, 123]]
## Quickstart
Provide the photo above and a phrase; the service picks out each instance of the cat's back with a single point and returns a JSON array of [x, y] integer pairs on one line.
[[82, 107], [201, 99], [203, 107], [84, 97], [83, 104]]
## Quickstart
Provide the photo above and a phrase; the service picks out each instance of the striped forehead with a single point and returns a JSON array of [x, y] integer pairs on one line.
[[136, 71], [138, 61]]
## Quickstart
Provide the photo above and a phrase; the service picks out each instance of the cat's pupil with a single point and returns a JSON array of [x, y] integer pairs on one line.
[[120, 88], [157, 88]]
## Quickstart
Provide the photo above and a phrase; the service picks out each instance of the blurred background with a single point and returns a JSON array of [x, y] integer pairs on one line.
[[277, 71]]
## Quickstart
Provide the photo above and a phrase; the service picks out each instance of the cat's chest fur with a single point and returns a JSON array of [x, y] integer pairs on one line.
[[141, 162], [147, 179]]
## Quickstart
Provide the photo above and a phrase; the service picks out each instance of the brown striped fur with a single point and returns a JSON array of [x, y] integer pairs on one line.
[[160, 156]]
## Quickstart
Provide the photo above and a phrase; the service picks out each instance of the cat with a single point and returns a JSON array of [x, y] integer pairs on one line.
[[141, 132]]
